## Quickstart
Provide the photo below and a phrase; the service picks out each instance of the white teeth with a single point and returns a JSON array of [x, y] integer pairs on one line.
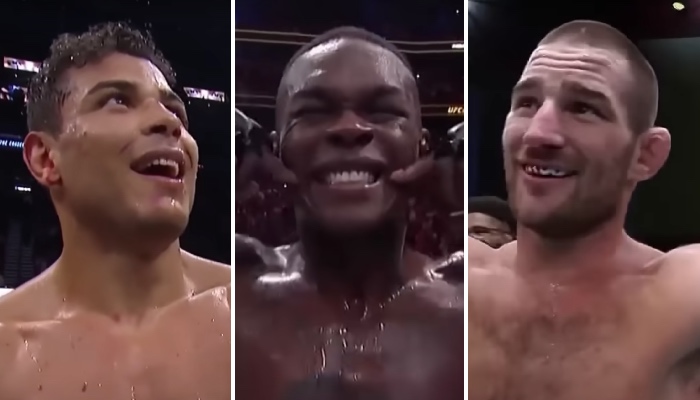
[[545, 171], [173, 166], [349, 177]]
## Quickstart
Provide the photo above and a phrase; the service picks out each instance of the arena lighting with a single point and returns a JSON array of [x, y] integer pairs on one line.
[[20, 65], [195, 93], [678, 6], [204, 94], [23, 189], [11, 142]]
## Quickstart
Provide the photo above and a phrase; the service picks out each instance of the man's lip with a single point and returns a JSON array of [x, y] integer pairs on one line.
[[169, 153], [174, 182]]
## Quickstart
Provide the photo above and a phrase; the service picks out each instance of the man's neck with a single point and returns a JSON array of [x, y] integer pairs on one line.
[[360, 268], [580, 255], [113, 281]]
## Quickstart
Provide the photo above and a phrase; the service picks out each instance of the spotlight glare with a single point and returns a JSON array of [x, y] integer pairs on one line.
[[678, 6]]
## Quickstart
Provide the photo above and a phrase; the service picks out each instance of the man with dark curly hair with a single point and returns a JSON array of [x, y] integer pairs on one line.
[[123, 313]]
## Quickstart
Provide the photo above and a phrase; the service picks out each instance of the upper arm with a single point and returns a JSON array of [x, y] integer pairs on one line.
[[674, 299]]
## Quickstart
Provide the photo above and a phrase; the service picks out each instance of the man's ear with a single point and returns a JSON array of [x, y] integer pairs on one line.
[[40, 156], [653, 149]]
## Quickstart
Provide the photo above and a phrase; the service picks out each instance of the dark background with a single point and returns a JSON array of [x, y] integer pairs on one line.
[[502, 34]]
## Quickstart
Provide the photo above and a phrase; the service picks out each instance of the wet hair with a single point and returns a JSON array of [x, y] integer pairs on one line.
[[493, 207], [344, 32], [642, 97], [48, 89]]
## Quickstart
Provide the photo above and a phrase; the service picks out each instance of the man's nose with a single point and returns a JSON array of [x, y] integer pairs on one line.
[[545, 128], [349, 131], [162, 121]]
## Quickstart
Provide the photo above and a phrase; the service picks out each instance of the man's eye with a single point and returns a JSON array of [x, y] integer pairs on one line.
[[525, 102], [582, 108], [116, 100]]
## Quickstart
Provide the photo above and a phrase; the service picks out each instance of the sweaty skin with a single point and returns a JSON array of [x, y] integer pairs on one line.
[[50, 350], [123, 313], [302, 347], [575, 309], [630, 335], [341, 315]]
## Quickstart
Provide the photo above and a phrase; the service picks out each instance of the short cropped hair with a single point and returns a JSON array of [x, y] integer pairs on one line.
[[47, 89], [343, 32], [642, 98], [493, 207]]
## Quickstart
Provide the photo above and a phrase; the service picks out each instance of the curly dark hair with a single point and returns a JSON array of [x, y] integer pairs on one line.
[[47, 89]]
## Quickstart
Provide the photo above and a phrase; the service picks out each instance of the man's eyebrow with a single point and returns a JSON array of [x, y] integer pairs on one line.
[[574, 87], [323, 93], [312, 93], [525, 85], [127, 86], [584, 91]]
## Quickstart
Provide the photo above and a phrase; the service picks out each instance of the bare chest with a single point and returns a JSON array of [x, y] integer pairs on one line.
[[183, 356], [532, 349], [305, 355]]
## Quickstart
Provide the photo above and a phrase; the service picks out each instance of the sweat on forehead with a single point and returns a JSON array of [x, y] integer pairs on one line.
[[345, 60], [349, 55]]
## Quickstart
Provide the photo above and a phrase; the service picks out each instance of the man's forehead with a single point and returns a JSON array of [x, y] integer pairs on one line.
[[581, 56], [599, 68], [117, 66], [346, 59]]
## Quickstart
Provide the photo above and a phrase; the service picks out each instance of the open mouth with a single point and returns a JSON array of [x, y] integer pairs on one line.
[[349, 173], [163, 164], [542, 171]]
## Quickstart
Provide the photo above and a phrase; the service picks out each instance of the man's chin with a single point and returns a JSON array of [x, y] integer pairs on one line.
[[162, 224], [349, 223]]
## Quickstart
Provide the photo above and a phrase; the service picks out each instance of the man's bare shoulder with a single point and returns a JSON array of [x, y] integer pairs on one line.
[[32, 302], [438, 291], [450, 268], [207, 274], [252, 257], [678, 271], [479, 254]]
